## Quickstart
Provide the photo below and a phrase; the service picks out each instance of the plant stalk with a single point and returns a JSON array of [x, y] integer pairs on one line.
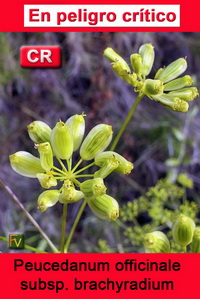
[[78, 216], [64, 220], [77, 165], [126, 121], [28, 215], [84, 168]]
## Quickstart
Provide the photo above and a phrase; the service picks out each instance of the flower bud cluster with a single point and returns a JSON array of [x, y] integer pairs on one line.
[[184, 233], [59, 144], [167, 87]]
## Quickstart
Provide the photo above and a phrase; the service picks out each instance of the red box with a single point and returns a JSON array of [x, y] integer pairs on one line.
[[40, 57]]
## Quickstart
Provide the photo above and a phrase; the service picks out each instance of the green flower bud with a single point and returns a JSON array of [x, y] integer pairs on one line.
[[93, 188], [136, 62], [179, 105], [124, 167], [148, 54], [77, 125], [186, 94], [120, 66], [122, 73], [108, 166], [46, 155], [47, 199], [131, 79], [114, 57], [96, 141], [46, 180], [104, 207], [25, 164], [39, 131], [173, 70], [178, 83], [159, 71], [119, 69], [195, 246], [183, 230], [62, 141], [152, 87], [156, 242], [69, 194], [175, 104]]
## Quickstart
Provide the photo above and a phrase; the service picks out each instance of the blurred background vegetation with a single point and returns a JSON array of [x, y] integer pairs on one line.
[[161, 143]]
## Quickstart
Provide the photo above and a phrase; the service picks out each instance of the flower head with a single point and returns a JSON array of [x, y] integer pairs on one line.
[[166, 87], [59, 143]]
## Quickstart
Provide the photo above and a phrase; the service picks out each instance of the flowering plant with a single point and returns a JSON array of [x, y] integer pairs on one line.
[[165, 88], [69, 184]]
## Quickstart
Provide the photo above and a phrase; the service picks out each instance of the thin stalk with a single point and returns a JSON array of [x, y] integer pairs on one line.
[[77, 165], [62, 164], [77, 183], [59, 170], [84, 168], [184, 141], [118, 238], [35, 224], [121, 224], [25, 246], [60, 177], [84, 175], [68, 164], [185, 196], [58, 174], [126, 121], [78, 216], [64, 220]]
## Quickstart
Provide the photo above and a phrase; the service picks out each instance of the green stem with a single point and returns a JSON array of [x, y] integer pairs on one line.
[[185, 196], [64, 220], [78, 216], [70, 163], [77, 165], [58, 174], [76, 182], [35, 224], [62, 164], [59, 170], [84, 168], [118, 238], [126, 121], [25, 246], [84, 175]]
